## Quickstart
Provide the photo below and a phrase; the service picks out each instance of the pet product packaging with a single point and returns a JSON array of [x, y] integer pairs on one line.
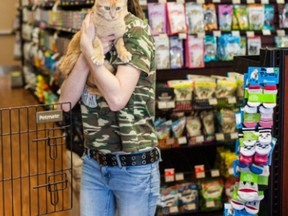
[[157, 18]]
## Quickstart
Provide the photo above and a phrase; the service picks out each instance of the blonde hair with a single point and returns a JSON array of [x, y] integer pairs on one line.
[[135, 8]]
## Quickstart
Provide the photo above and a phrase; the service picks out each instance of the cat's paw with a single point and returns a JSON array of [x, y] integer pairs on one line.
[[98, 60], [125, 56]]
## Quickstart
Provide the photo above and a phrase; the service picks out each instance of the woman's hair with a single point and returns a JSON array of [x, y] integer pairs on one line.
[[135, 8]]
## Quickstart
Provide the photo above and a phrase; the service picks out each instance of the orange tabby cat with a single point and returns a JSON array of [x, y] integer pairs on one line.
[[108, 18]]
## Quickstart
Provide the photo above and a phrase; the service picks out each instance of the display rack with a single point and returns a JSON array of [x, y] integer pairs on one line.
[[276, 195]]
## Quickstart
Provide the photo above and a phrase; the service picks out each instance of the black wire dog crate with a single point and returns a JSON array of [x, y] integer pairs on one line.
[[35, 176]]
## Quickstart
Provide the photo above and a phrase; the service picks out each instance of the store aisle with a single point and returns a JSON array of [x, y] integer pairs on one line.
[[11, 97]]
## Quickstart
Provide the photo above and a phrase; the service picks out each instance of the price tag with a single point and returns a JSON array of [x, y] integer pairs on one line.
[[180, 1], [234, 135], [169, 175], [264, 1], [250, 33], [200, 175], [216, 1], [250, 1], [162, 1], [199, 139], [201, 34], [170, 104], [215, 173], [179, 176], [200, 1], [199, 171], [173, 209], [280, 1], [217, 33], [232, 100], [236, 33], [281, 32], [163, 36], [143, 2], [213, 101], [266, 32], [170, 141], [162, 105], [182, 140], [191, 206], [210, 204], [182, 36], [219, 136], [236, 1]]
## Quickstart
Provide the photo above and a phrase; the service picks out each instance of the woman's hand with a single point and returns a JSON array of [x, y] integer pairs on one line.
[[88, 33], [107, 42]]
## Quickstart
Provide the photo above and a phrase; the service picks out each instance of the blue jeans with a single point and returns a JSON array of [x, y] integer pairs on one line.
[[125, 191]]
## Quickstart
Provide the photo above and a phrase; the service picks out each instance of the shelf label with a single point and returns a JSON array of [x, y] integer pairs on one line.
[[179, 176], [163, 36], [264, 1], [169, 175], [216, 33], [250, 33], [162, 1], [234, 135], [216, 1], [236, 1], [280, 1], [232, 100], [210, 204], [199, 139], [200, 1], [213, 101], [182, 36], [166, 104], [250, 1], [281, 32], [201, 34], [236, 33], [173, 209], [266, 32], [215, 173], [199, 171], [182, 140], [191, 206], [219, 136], [180, 1], [170, 141]]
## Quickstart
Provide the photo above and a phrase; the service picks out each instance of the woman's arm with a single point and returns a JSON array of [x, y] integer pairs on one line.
[[73, 85], [116, 89]]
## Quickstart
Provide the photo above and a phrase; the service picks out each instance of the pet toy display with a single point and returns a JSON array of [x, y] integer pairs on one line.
[[256, 142]]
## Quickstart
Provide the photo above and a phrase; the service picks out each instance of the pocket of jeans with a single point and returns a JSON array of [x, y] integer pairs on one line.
[[138, 171]]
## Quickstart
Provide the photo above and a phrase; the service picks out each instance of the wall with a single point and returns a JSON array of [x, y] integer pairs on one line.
[[8, 11]]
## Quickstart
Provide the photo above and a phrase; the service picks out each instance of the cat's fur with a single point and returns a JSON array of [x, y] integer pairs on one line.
[[108, 18]]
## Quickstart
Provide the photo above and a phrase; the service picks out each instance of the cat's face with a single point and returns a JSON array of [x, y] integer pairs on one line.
[[110, 9]]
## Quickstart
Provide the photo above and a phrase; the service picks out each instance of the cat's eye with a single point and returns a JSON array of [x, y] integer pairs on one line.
[[118, 8], [107, 8]]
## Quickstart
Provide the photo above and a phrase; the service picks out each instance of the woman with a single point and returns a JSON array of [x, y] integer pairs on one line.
[[120, 165]]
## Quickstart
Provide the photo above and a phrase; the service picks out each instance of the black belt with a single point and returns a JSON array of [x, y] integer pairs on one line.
[[135, 159]]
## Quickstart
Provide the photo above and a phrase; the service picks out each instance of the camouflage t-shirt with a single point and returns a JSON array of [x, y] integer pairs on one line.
[[130, 129]]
